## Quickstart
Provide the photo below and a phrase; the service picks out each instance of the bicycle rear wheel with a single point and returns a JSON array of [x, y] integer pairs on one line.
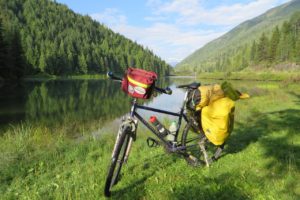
[[117, 161], [190, 140]]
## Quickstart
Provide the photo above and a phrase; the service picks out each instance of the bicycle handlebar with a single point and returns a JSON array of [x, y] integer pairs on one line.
[[166, 90]]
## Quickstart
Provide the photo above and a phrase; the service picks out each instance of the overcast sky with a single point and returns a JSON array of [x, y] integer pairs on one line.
[[173, 29]]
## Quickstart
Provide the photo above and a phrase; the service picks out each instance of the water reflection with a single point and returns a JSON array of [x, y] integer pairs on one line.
[[64, 101], [55, 103]]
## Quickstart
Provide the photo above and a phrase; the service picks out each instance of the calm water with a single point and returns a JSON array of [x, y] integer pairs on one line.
[[73, 102], [65, 102]]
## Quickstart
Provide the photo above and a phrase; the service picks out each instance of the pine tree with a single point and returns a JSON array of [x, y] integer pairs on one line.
[[3, 49], [70, 60], [42, 62], [295, 23], [253, 53], [15, 52], [82, 64], [262, 48], [297, 49], [284, 42], [274, 44]]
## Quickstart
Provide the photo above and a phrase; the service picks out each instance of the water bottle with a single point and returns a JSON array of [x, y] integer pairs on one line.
[[161, 129], [172, 132]]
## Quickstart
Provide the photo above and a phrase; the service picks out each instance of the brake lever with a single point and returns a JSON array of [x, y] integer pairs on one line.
[[109, 74], [168, 91]]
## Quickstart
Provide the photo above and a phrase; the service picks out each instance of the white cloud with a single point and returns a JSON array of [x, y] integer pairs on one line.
[[174, 39], [110, 16], [167, 40], [192, 12]]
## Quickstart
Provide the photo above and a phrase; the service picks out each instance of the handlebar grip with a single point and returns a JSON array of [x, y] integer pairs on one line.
[[109, 74], [113, 77], [167, 90]]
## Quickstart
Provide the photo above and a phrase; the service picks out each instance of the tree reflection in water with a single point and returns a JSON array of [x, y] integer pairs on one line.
[[68, 103]]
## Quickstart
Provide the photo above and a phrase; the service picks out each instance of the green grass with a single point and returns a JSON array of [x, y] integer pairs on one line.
[[255, 76], [43, 76], [261, 159]]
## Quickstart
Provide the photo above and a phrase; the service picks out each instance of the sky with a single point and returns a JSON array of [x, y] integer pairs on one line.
[[172, 29]]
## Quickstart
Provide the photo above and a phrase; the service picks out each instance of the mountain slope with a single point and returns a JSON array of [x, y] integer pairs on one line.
[[205, 58], [55, 40]]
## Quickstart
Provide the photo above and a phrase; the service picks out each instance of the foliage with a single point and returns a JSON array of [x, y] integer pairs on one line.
[[57, 41], [12, 65]]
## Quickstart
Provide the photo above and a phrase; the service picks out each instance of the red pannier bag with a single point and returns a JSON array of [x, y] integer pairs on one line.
[[139, 83]]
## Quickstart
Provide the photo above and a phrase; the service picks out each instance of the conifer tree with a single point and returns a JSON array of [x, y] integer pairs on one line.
[[2, 48], [262, 48], [274, 44], [42, 62], [82, 64]]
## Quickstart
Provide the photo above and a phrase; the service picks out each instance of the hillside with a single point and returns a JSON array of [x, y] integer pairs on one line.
[[52, 39], [221, 54]]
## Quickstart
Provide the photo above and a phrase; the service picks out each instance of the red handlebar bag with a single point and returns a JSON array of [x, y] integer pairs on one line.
[[139, 83]]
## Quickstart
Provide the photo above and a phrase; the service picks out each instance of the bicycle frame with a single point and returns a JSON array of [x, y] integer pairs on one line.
[[173, 147]]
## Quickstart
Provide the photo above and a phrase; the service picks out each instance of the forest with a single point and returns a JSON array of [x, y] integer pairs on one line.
[[45, 37], [278, 50]]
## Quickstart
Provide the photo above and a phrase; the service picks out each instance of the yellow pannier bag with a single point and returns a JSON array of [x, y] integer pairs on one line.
[[209, 94], [217, 120]]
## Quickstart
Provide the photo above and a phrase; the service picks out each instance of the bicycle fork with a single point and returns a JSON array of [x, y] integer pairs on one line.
[[128, 125], [128, 150]]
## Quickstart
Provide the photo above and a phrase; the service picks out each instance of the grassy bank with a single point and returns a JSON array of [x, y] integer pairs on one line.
[[254, 76], [260, 161], [69, 77]]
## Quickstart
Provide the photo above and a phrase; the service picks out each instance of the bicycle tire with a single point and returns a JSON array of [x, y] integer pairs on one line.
[[117, 162], [190, 141]]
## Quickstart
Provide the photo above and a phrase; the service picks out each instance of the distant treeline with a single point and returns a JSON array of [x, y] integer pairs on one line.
[[42, 36], [282, 45]]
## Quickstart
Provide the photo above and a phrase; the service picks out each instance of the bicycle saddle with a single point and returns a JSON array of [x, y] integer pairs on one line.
[[193, 85]]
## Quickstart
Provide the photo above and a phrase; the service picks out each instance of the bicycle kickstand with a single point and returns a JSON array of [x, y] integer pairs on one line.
[[203, 150]]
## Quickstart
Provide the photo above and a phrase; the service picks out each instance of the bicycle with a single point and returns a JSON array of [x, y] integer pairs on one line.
[[187, 145]]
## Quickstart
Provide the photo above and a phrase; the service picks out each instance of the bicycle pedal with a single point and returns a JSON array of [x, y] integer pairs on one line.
[[151, 142]]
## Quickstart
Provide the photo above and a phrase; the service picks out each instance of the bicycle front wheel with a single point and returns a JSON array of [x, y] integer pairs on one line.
[[117, 161]]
